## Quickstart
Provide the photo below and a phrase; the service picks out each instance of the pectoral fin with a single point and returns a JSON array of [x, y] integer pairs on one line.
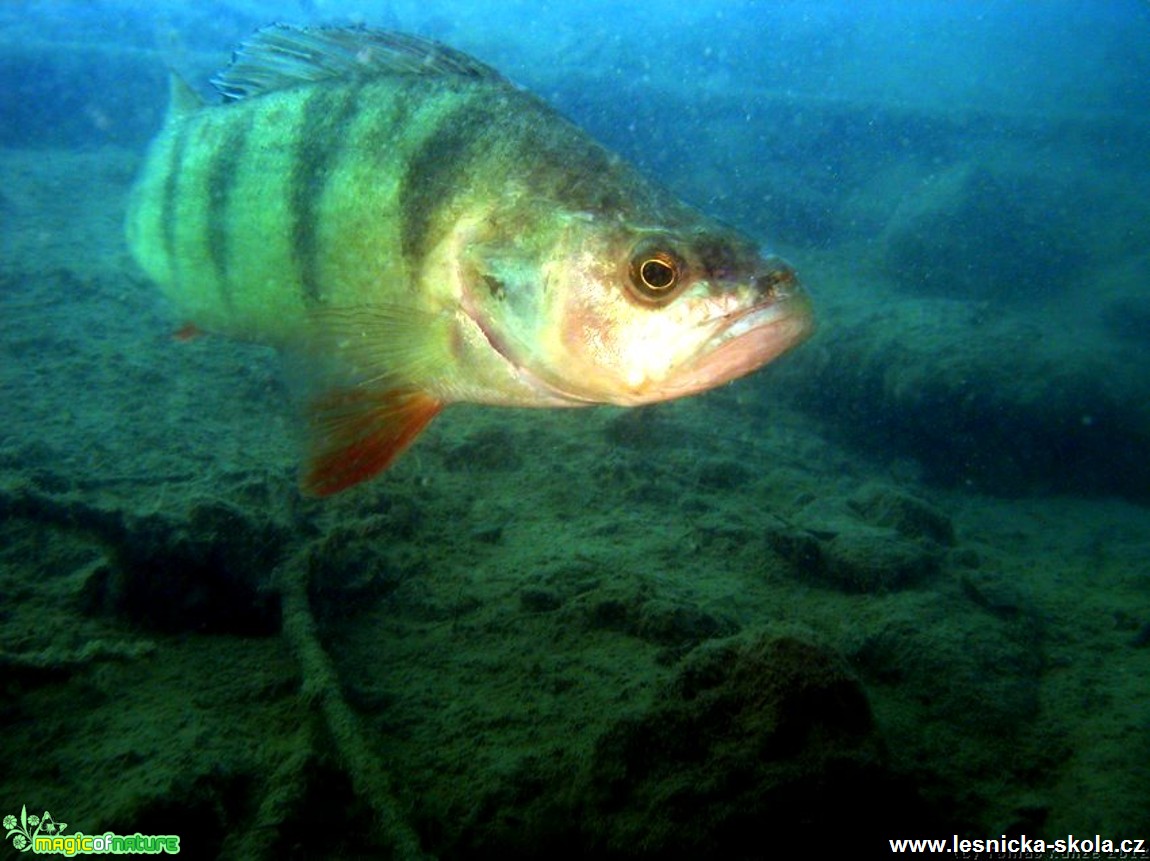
[[370, 373]]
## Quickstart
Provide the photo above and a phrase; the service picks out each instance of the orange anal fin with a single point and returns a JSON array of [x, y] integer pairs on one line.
[[357, 433], [187, 332]]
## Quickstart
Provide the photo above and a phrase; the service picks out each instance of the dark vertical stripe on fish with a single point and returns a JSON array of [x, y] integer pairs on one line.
[[322, 132], [220, 182], [391, 114], [438, 169], [170, 202]]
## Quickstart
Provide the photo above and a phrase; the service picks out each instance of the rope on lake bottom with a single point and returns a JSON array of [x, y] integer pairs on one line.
[[321, 684]]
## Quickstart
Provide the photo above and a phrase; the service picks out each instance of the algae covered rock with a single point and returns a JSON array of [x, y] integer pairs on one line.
[[749, 737], [979, 232], [879, 539]]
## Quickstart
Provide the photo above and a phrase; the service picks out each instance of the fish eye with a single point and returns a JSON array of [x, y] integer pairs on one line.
[[655, 274], [658, 274]]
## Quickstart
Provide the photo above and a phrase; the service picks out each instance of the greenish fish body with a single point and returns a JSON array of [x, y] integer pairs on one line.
[[424, 232]]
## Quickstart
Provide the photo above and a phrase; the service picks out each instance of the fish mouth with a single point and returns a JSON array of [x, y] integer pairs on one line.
[[745, 341]]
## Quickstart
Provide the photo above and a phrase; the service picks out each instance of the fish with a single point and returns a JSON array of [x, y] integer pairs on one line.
[[415, 230]]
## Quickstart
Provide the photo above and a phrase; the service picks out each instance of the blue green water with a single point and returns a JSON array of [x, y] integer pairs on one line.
[[892, 585]]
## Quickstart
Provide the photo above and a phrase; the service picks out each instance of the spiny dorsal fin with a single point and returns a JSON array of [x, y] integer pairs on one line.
[[281, 56], [182, 99]]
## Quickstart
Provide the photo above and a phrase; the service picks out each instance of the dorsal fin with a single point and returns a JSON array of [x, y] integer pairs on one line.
[[182, 99], [281, 56]]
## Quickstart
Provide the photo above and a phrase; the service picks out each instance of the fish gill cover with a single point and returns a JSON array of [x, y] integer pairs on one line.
[[893, 586]]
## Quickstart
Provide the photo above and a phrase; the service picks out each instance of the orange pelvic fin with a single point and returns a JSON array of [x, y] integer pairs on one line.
[[358, 432]]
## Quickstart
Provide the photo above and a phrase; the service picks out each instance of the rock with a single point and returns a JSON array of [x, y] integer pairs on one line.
[[877, 560], [864, 559], [947, 239], [1002, 403], [748, 739], [876, 541], [883, 506]]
